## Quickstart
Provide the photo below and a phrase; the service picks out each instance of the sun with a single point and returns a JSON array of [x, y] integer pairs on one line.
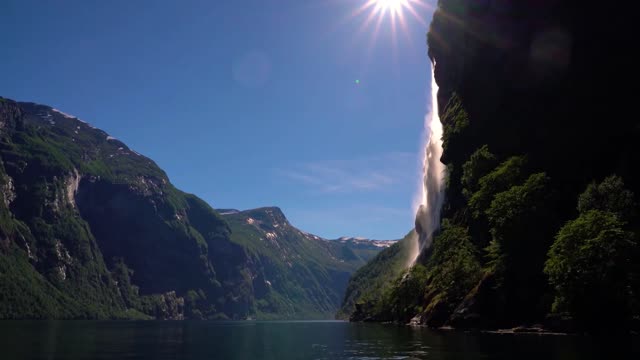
[[396, 11], [393, 7]]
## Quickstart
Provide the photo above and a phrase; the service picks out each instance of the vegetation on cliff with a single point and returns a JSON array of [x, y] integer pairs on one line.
[[373, 279]]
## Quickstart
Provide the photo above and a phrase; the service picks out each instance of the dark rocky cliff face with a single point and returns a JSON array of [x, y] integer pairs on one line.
[[536, 105], [543, 79], [544, 75]]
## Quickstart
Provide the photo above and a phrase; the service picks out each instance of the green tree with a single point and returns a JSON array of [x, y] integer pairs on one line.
[[453, 266], [507, 174], [479, 164], [610, 195], [593, 262], [519, 244], [454, 120], [406, 298], [515, 216], [591, 267]]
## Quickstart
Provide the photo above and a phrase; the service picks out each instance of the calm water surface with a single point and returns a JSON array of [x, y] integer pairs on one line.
[[286, 340]]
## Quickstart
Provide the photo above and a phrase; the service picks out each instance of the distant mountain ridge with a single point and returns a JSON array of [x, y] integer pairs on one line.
[[90, 228], [365, 241], [355, 240], [295, 264]]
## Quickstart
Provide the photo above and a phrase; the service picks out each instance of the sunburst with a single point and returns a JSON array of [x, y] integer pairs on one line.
[[391, 6], [395, 10]]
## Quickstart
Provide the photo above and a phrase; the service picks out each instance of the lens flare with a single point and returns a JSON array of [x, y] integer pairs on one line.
[[392, 6], [396, 12]]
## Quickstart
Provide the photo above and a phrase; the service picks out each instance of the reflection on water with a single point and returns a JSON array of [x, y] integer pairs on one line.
[[286, 340]]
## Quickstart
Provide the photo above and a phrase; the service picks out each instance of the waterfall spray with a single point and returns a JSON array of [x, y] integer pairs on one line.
[[430, 197]]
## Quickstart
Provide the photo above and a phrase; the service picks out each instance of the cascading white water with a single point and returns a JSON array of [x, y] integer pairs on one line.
[[430, 197]]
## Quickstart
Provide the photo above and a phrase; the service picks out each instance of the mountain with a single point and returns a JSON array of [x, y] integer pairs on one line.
[[375, 278], [363, 248], [303, 274], [540, 223], [89, 228]]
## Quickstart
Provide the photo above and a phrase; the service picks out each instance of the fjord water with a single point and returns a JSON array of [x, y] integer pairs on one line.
[[283, 341]]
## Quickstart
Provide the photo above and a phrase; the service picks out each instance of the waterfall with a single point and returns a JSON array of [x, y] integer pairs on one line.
[[430, 197]]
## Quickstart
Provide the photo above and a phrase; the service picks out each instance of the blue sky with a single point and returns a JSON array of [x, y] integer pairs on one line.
[[245, 103]]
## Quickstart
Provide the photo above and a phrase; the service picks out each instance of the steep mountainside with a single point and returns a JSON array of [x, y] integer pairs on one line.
[[300, 273], [540, 223], [374, 279], [91, 229]]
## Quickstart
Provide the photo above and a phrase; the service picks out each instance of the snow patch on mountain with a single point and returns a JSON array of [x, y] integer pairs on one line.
[[65, 114]]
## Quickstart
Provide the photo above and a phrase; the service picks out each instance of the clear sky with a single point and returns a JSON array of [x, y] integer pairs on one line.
[[245, 103]]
